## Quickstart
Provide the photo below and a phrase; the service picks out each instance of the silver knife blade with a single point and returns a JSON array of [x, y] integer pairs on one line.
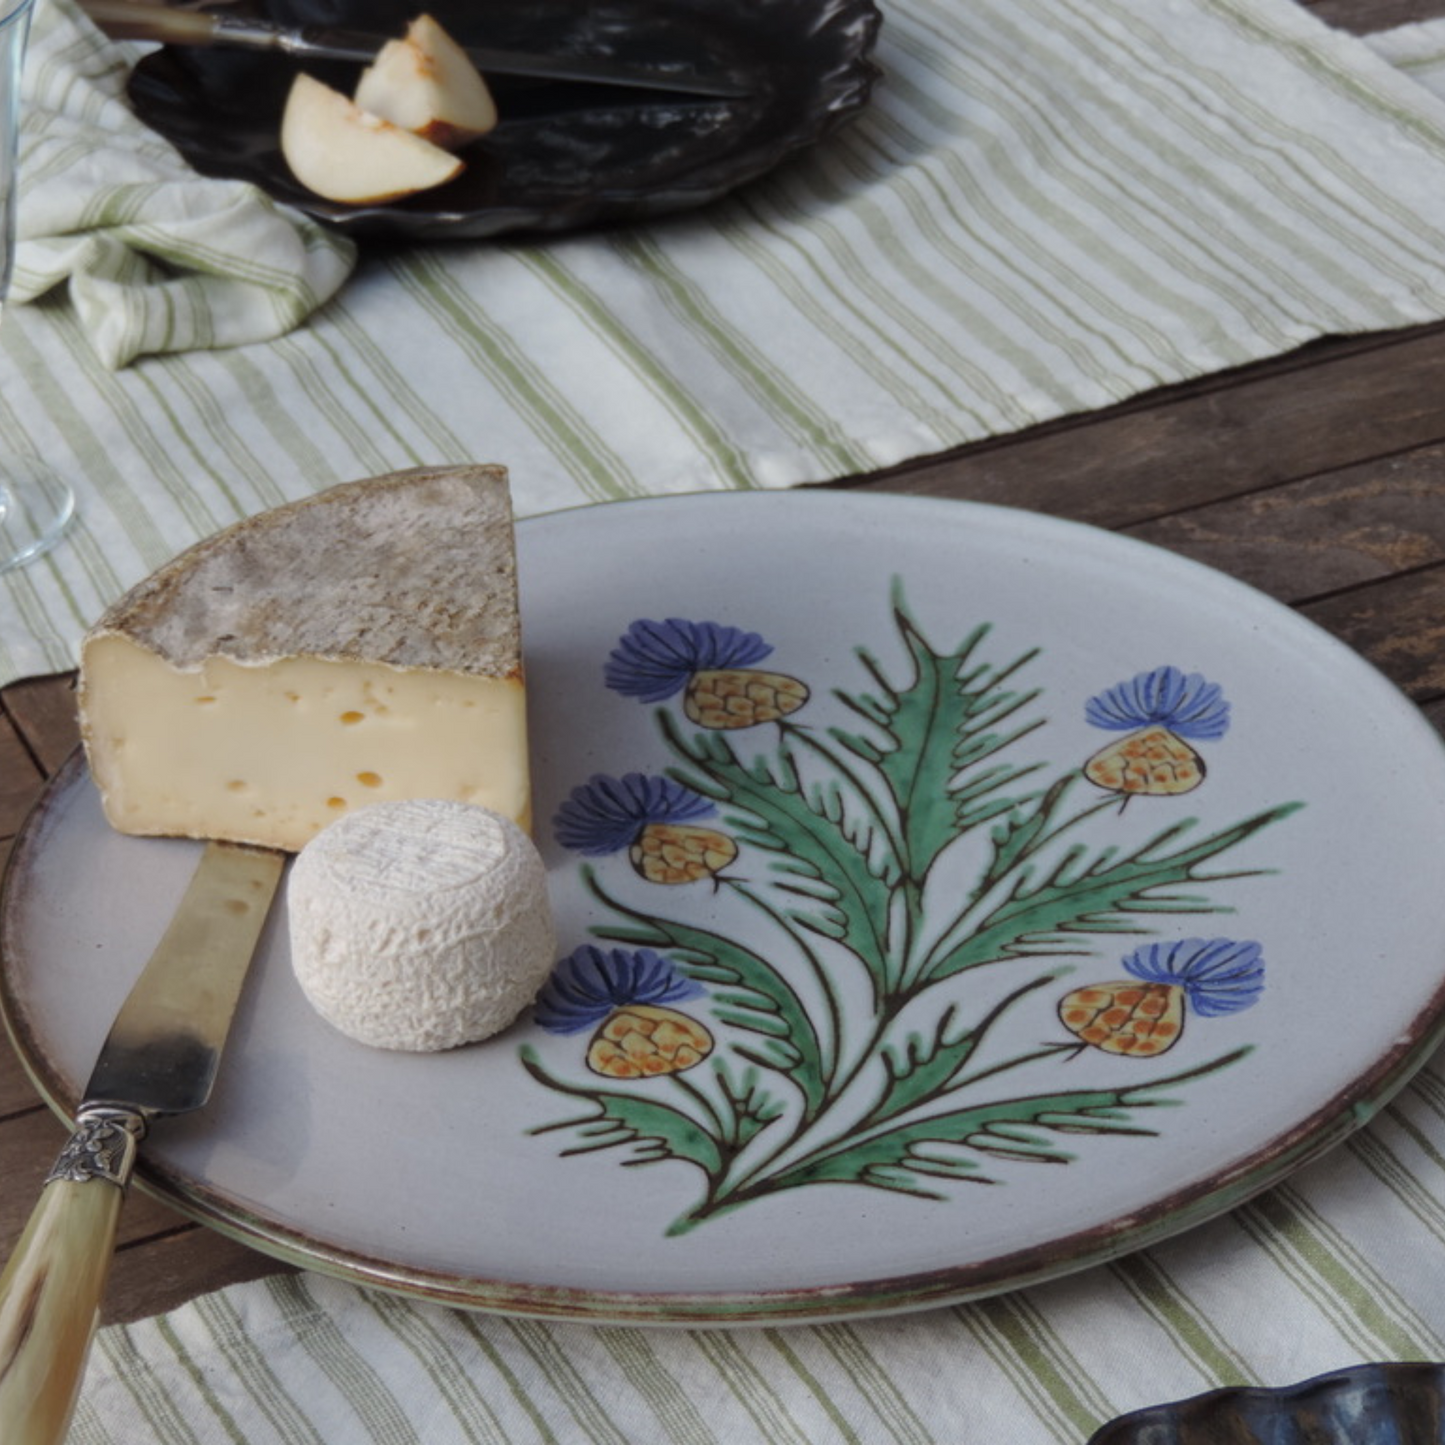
[[136, 20], [162, 1051], [317, 43], [159, 1058]]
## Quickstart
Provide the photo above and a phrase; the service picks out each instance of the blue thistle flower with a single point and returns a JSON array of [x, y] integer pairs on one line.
[[590, 983], [1218, 975], [605, 814], [653, 660], [1184, 703]]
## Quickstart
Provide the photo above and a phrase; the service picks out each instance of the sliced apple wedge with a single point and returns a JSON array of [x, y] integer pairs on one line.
[[345, 153], [427, 84]]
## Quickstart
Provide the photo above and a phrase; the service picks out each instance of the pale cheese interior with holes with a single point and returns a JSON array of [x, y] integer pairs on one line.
[[420, 925], [357, 646], [272, 754]]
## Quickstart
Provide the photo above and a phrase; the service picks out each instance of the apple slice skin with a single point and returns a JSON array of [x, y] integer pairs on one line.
[[343, 153], [427, 84]]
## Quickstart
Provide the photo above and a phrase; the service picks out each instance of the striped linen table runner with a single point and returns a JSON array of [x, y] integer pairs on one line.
[[1051, 205]]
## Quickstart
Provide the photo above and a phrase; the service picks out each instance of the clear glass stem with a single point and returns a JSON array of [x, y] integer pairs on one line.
[[36, 506]]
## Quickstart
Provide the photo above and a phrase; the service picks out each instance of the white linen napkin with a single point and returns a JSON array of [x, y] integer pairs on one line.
[[153, 257]]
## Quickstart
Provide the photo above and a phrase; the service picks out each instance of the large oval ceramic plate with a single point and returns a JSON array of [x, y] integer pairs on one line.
[[564, 155], [1048, 895]]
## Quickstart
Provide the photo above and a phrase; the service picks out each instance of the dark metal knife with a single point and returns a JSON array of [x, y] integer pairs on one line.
[[135, 20], [159, 1058]]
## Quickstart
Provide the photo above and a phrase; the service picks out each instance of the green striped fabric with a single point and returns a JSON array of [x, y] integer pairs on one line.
[[1049, 206], [150, 257]]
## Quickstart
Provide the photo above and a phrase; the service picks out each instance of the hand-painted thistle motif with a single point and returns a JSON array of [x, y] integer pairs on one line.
[[1145, 1015], [711, 665], [654, 819], [623, 996], [1158, 710], [853, 1040]]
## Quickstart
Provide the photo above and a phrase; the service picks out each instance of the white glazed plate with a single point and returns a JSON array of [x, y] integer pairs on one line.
[[1048, 895]]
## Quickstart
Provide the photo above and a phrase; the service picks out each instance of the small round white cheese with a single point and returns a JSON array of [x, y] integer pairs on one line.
[[420, 924]]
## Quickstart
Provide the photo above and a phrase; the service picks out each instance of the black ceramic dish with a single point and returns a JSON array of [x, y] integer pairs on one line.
[[1395, 1404], [564, 156]]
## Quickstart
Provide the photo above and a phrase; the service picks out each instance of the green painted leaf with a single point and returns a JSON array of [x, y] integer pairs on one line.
[[1098, 895], [753, 1108], [846, 875], [747, 992], [1017, 1129], [927, 1064], [1029, 826], [941, 725], [655, 1131]]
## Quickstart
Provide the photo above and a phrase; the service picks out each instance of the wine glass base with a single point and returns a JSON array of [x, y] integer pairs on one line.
[[36, 506]]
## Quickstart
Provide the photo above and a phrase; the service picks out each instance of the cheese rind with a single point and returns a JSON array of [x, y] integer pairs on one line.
[[420, 925], [358, 646]]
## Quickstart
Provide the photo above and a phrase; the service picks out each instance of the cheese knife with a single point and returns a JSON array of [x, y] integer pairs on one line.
[[136, 20], [160, 1058]]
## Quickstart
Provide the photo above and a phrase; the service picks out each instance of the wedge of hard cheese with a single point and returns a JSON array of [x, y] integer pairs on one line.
[[357, 646]]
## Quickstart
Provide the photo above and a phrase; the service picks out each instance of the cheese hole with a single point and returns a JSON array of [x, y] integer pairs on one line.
[[336, 802], [369, 780], [352, 717]]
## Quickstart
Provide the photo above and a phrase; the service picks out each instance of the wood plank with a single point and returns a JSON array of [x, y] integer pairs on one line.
[[1399, 625], [162, 1274], [43, 709], [20, 779], [1126, 466], [1323, 534], [17, 1093]]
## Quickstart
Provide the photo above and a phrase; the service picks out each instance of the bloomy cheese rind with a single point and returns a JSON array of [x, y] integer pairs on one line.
[[420, 926]]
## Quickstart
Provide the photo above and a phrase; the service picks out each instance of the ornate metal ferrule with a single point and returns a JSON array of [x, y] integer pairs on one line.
[[103, 1146]]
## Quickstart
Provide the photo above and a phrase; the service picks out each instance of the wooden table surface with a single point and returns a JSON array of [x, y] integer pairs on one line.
[[1318, 477]]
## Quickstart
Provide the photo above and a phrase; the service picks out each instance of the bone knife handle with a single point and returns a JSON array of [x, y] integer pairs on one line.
[[51, 1290]]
